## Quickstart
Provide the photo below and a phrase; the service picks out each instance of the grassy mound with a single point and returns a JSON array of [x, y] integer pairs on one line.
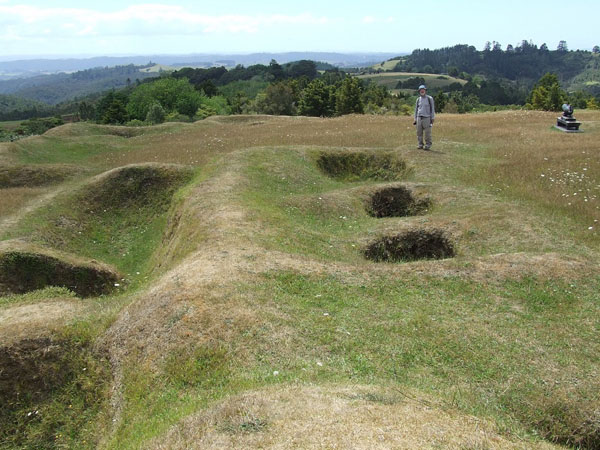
[[351, 165], [252, 119], [85, 129], [118, 217], [51, 392], [134, 186], [32, 176], [333, 417], [22, 272], [396, 201], [411, 246]]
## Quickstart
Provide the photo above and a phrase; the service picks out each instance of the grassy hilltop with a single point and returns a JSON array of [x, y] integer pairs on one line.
[[295, 282]]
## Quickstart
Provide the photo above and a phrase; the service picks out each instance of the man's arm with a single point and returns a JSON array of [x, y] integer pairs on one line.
[[416, 111]]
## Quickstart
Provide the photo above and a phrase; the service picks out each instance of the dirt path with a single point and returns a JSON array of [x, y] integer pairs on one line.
[[9, 222]]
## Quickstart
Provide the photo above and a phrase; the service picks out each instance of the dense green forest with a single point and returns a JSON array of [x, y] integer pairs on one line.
[[523, 64], [15, 108], [290, 89]]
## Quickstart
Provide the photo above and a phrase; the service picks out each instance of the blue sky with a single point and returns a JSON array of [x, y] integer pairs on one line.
[[110, 27]]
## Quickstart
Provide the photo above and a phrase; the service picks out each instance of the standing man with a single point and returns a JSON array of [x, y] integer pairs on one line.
[[424, 117]]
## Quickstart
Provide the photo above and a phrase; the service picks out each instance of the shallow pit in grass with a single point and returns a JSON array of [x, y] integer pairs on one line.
[[352, 165], [411, 245], [397, 201], [26, 271]]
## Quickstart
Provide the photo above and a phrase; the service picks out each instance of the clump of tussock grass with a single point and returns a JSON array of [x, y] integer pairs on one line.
[[397, 201], [352, 165], [411, 245]]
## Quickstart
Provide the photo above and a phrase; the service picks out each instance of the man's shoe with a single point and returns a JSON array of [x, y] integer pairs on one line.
[[427, 148], [420, 147]]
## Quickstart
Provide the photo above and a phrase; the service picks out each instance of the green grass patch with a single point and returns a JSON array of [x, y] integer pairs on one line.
[[37, 296], [189, 378], [32, 176], [505, 351], [508, 351], [10, 125], [303, 210]]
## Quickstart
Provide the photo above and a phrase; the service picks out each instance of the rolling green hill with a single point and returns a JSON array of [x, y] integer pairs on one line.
[[390, 79], [57, 88]]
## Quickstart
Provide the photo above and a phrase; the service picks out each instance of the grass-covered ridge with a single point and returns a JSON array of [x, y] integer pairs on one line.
[[269, 300], [118, 217]]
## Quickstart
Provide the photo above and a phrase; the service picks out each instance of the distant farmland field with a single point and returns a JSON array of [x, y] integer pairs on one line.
[[390, 79]]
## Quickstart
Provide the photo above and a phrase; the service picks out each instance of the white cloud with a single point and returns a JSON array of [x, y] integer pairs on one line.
[[137, 20]]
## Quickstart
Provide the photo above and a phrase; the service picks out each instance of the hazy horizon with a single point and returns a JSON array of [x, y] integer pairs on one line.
[[7, 58], [72, 28]]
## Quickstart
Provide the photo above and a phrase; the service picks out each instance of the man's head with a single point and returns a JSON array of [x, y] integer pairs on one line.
[[422, 89]]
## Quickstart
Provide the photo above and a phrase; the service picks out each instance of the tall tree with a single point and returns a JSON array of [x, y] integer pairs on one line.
[[111, 108], [315, 100], [348, 97], [547, 94], [279, 99]]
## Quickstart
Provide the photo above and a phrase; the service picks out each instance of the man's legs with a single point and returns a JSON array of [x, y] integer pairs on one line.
[[424, 125], [420, 132], [427, 129]]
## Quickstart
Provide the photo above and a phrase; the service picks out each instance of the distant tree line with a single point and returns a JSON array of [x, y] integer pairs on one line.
[[526, 60], [17, 108]]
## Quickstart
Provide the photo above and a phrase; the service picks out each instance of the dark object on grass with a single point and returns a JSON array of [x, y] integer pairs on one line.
[[22, 271], [567, 122], [411, 246], [396, 201]]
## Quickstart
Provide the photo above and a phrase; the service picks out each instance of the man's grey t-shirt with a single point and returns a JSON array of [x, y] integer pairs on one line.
[[425, 107]]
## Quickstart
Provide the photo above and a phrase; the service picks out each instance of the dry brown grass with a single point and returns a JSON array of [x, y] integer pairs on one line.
[[37, 320], [357, 417], [13, 199], [535, 162]]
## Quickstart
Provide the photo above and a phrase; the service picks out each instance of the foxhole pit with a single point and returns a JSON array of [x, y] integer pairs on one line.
[[351, 165], [22, 272], [397, 201], [411, 245]]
